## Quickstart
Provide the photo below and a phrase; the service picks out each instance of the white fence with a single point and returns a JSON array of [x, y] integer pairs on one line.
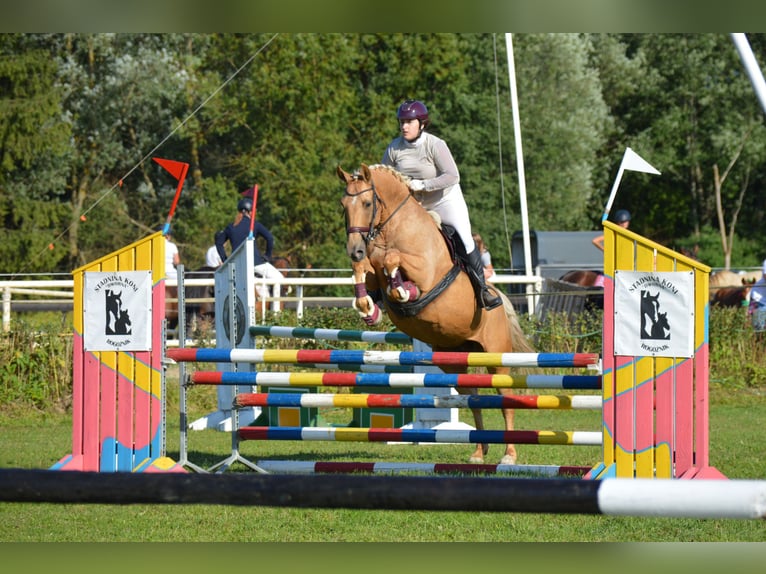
[[44, 295]]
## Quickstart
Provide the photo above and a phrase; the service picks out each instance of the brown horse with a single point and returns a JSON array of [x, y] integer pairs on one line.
[[587, 278], [171, 308], [395, 244], [200, 299], [729, 289]]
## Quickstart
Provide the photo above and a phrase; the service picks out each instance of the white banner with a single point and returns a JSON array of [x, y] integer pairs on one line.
[[117, 309], [654, 313]]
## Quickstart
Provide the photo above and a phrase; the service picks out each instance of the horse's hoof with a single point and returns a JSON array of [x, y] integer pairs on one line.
[[411, 290], [398, 294], [374, 317], [508, 459]]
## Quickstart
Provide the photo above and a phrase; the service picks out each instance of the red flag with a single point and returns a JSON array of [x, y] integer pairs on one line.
[[250, 192], [177, 169]]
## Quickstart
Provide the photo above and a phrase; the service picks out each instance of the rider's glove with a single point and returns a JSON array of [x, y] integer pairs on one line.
[[417, 185]]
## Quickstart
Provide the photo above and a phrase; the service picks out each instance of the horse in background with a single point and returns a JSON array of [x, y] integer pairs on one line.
[[171, 307], [594, 280], [730, 289], [200, 299], [397, 248]]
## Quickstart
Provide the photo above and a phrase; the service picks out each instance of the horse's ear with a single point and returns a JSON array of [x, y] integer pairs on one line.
[[344, 177], [366, 172]]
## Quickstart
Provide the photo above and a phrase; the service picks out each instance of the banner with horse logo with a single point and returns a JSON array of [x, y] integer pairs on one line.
[[117, 307], [654, 313]]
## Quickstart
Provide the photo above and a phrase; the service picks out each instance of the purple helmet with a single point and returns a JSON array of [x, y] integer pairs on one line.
[[413, 109]]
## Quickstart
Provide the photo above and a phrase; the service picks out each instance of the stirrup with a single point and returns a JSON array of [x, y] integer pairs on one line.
[[488, 301]]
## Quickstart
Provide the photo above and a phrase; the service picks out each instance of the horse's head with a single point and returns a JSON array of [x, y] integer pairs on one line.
[[361, 206], [370, 204]]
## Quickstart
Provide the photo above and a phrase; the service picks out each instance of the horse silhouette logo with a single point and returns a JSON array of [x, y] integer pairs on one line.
[[117, 318], [654, 324]]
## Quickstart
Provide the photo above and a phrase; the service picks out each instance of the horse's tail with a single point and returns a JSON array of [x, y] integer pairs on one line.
[[518, 339]]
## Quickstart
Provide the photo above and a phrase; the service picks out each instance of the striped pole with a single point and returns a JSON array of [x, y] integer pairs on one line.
[[293, 356], [359, 401], [396, 338], [398, 380], [579, 438]]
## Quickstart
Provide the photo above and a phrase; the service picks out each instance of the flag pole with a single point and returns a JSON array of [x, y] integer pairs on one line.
[[252, 213], [178, 170]]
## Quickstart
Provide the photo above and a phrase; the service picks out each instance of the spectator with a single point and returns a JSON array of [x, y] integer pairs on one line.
[[757, 307], [172, 257], [237, 232], [486, 258], [212, 258], [621, 218]]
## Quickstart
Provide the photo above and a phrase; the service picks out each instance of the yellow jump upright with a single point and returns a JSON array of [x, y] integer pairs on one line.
[[655, 361]]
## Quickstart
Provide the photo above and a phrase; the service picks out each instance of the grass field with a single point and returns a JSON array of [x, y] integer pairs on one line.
[[38, 440]]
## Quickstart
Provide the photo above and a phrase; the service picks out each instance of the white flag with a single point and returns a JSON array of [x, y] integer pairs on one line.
[[634, 162]]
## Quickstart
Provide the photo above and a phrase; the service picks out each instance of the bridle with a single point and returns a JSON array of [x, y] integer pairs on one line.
[[370, 232]]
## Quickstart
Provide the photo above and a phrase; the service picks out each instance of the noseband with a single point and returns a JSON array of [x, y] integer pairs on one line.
[[370, 232]]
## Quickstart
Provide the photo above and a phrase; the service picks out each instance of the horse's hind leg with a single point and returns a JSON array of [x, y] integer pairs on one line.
[[510, 450], [478, 418], [508, 414]]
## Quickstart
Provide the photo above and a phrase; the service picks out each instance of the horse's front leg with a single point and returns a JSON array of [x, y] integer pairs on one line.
[[364, 282], [398, 288], [477, 457]]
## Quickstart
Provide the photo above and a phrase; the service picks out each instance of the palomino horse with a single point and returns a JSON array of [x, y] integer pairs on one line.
[[395, 244]]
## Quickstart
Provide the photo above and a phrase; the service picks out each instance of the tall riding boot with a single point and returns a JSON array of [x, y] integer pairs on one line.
[[484, 296]]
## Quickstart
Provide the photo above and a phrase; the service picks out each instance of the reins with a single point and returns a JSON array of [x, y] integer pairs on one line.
[[370, 232]]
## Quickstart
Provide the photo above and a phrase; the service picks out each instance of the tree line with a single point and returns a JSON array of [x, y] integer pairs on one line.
[[81, 116]]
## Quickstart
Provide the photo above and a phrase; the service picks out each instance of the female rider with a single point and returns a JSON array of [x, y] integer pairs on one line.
[[436, 185]]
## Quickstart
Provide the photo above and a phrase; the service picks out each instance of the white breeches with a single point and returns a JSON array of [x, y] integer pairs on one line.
[[453, 210], [268, 271]]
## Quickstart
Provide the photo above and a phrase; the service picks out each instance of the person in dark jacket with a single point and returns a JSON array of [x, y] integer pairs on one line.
[[236, 233]]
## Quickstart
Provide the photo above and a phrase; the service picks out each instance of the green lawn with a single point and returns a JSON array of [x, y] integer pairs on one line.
[[38, 440]]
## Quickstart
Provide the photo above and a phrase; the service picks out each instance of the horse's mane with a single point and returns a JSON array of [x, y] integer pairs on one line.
[[405, 179], [387, 168]]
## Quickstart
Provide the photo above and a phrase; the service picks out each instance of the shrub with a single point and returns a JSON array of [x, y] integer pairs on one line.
[[36, 367]]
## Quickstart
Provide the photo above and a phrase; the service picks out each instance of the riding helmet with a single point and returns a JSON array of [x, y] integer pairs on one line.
[[245, 204], [413, 109], [622, 215]]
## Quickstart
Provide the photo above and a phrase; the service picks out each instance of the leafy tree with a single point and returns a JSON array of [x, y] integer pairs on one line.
[[33, 136], [284, 110], [695, 114]]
